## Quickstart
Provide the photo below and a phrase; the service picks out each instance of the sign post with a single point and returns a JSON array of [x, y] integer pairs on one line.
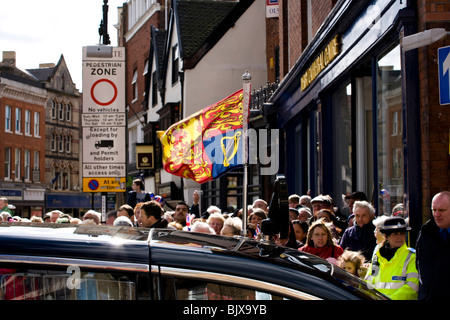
[[104, 119]]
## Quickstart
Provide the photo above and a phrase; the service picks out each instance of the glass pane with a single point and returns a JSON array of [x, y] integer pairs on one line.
[[389, 129], [59, 285], [342, 143], [200, 290]]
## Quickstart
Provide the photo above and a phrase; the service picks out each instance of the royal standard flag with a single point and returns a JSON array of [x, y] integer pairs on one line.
[[207, 144]]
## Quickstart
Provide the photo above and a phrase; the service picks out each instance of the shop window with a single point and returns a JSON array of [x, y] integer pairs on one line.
[[342, 142], [389, 124]]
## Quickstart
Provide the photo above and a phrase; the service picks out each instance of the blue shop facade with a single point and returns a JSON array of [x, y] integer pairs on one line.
[[348, 110]]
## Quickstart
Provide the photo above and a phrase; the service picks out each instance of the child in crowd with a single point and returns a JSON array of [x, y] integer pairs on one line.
[[353, 263]]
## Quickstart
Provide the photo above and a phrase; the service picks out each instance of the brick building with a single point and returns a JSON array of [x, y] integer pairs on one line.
[[358, 112], [22, 138], [135, 21], [62, 136]]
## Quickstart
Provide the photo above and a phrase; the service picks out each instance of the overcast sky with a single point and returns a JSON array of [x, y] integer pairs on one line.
[[39, 31]]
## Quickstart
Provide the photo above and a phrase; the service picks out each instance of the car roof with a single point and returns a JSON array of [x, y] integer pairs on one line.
[[74, 241]]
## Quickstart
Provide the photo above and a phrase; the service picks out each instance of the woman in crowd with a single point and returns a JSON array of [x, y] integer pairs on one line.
[[319, 242]]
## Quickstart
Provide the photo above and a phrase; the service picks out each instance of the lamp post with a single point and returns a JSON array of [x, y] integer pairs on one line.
[[103, 30]]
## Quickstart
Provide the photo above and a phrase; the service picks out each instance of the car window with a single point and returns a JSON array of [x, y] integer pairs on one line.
[[70, 284], [188, 289]]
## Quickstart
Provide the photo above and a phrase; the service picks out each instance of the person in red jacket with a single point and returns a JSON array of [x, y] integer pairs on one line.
[[319, 242]]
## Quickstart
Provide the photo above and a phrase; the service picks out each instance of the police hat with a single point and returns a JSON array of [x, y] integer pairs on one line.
[[394, 224]]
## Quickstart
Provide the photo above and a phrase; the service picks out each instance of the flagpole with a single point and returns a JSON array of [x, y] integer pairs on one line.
[[246, 77]]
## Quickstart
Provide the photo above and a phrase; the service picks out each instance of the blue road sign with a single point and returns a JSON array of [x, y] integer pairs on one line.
[[444, 75]]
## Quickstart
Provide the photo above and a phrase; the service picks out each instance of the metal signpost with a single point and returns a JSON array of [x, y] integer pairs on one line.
[[104, 119]]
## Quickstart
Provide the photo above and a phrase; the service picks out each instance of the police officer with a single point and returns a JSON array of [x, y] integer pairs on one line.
[[393, 268]]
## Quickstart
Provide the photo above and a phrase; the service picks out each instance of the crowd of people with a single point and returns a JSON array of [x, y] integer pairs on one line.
[[366, 245]]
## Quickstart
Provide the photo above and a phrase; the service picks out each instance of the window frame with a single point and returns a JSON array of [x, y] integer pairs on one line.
[[237, 281]]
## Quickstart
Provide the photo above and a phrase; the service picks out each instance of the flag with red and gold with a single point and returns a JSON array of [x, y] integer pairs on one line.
[[207, 144]]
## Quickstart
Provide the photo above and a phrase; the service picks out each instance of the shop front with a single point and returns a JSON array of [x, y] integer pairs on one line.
[[349, 110]]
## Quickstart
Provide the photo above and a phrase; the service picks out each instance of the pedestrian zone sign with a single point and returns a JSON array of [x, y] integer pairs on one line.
[[444, 75]]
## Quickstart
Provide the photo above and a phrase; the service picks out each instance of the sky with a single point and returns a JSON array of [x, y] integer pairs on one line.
[[39, 31]]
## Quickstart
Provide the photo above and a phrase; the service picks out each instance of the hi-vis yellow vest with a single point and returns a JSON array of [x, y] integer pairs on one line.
[[397, 278]]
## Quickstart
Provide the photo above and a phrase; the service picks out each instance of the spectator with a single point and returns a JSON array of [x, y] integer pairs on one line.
[[294, 201], [55, 215], [5, 216], [232, 227], [127, 211], [360, 237], [137, 194], [123, 221], [64, 218], [352, 262], [393, 268], [319, 242], [181, 210], [378, 223], [320, 202], [137, 213], [202, 227], [110, 217], [398, 210], [328, 216], [4, 205], [305, 201], [293, 214], [152, 215], [216, 221], [304, 214], [175, 225], [291, 240], [89, 222], [195, 207], [212, 209], [301, 230], [36, 219], [354, 196], [92, 215], [433, 251], [261, 204], [257, 216], [75, 221]]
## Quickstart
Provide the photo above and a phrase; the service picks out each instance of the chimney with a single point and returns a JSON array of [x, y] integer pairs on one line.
[[9, 58]]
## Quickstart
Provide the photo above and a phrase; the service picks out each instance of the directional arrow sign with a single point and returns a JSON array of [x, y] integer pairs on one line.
[[444, 75]]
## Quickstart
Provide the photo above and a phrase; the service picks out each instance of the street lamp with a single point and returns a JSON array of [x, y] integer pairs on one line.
[[423, 38]]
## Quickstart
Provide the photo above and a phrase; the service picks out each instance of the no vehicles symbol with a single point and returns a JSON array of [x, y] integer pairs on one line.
[[104, 92], [93, 184]]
